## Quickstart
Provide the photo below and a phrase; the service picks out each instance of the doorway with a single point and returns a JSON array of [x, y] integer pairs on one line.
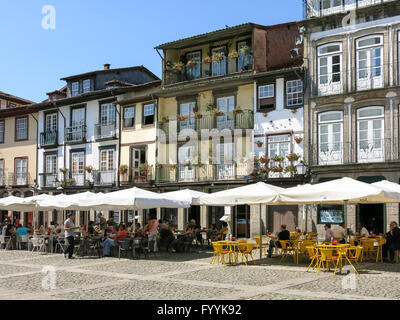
[[241, 222], [214, 216], [371, 217], [194, 214]]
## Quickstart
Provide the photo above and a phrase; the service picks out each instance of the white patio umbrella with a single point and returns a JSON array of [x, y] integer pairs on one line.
[[22, 204], [132, 199], [188, 195], [66, 202], [387, 186]]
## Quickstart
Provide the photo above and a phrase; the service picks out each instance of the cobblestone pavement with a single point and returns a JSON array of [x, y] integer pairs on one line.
[[185, 277]]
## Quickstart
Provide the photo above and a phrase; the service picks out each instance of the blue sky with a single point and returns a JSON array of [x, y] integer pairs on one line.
[[123, 33]]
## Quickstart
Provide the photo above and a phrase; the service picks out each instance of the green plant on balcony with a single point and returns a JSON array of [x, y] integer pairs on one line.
[[64, 170], [218, 56], [293, 157], [67, 182], [278, 158], [172, 166], [265, 160], [218, 113], [198, 115], [244, 49], [298, 140], [207, 60], [212, 107], [164, 119], [88, 169], [123, 169], [237, 110], [144, 168], [259, 143], [233, 54], [191, 64], [291, 169], [277, 169], [178, 66]]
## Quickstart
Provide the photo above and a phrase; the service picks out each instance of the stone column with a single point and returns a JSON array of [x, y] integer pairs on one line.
[[352, 217], [181, 218], [255, 220], [204, 217], [392, 214]]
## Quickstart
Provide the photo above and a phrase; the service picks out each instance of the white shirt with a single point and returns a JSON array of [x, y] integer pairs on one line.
[[364, 233]]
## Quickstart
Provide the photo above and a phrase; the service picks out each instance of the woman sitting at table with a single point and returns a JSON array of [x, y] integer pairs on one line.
[[212, 233], [223, 232], [138, 230], [110, 228], [91, 227], [274, 242]]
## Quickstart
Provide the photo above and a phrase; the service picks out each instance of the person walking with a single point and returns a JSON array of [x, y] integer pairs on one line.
[[69, 227]]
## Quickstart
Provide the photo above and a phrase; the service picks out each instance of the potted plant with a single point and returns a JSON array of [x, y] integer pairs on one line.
[[259, 143], [187, 163], [191, 64], [298, 140], [198, 115], [211, 107], [123, 169], [237, 110], [64, 170], [290, 169], [265, 115], [278, 158], [88, 169], [277, 169], [244, 49], [207, 59], [182, 118], [178, 66], [233, 54], [218, 113], [172, 166], [143, 168], [164, 119], [294, 111], [218, 57], [293, 157], [265, 160]]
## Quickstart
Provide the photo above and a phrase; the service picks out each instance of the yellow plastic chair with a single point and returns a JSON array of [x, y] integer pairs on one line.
[[328, 257], [219, 252], [287, 249], [265, 244], [314, 257], [354, 254], [246, 249], [379, 255], [369, 248], [312, 236]]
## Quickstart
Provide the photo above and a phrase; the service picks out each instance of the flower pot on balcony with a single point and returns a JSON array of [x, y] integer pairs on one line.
[[182, 118], [298, 140], [233, 54], [198, 116], [218, 114], [123, 170], [207, 60], [293, 157]]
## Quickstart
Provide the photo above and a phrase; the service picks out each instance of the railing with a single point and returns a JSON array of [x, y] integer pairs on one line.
[[367, 151], [19, 179], [75, 180], [244, 120], [105, 131], [3, 181], [104, 178], [75, 134], [49, 180], [48, 138], [313, 8], [138, 176]]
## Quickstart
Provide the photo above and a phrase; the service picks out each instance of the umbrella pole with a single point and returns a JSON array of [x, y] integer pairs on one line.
[[260, 233], [345, 218]]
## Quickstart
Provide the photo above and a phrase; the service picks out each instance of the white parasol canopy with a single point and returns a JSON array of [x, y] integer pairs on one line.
[[188, 195], [340, 191], [22, 204], [259, 193], [387, 186], [67, 202], [132, 199]]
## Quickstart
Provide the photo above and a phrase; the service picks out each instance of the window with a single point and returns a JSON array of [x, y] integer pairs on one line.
[[186, 157], [370, 62], [129, 117], [187, 110], [78, 117], [148, 114], [333, 214], [107, 160], [279, 145], [50, 122], [330, 138], [227, 120], [1, 131], [267, 91], [21, 128], [370, 134], [51, 164], [107, 114], [245, 60], [218, 66], [21, 167], [75, 89], [226, 165], [87, 85], [2, 172], [193, 71], [330, 69], [138, 158], [78, 162], [294, 93]]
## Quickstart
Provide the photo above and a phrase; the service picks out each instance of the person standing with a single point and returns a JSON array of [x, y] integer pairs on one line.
[[69, 227], [328, 233], [102, 224]]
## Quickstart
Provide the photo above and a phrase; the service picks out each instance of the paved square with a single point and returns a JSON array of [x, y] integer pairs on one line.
[[185, 277]]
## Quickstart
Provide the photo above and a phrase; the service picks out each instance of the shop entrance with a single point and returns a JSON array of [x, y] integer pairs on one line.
[[371, 217], [241, 222]]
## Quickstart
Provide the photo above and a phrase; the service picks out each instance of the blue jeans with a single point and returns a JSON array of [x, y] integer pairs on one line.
[[107, 244], [70, 248]]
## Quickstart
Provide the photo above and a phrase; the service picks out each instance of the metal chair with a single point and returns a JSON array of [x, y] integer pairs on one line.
[[136, 245], [124, 246], [39, 244], [61, 246], [5, 241], [188, 242]]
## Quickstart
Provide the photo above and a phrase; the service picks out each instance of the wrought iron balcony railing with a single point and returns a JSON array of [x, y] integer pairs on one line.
[[145, 175], [103, 131], [49, 180], [16, 179], [75, 134], [104, 178], [48, 139]]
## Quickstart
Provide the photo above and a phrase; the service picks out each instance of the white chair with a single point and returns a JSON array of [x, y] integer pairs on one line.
[[39, 244], [60, 245], [5, 241]]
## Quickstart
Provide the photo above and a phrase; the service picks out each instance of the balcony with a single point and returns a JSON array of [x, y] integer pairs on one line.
[[49, 139], [143, 176], [49, 180], [104, 178], [75, 134], [105, 131], [19, 179], [368, 151], [75, 179], [244, 120], [317, 9]]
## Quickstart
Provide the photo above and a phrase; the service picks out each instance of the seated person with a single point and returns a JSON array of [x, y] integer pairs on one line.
[[212, 233], [22, 231], [107, 244], [392, 242], [138, 231], [283, 235], [111, 227], [91, 227], [12, 233], [121, 234], [364, 232], [223, 232], [340, 232], [166, 236]]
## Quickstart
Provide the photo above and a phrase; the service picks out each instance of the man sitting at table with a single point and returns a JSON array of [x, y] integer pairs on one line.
[[166, 237], [392, 242], [340, 232], [274, 242]]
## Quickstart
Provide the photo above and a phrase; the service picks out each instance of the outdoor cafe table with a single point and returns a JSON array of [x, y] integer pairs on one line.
[[233, 248], [335, 247]]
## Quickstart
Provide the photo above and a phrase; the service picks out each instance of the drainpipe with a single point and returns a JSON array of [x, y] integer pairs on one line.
[[37, 151], [65, 126], [119, 143]]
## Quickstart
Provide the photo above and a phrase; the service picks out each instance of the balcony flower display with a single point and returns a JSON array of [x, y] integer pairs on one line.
[[207, 59], [259, 143], [182, 118], [88, 169], [67, 182], [159, 166], [178, 66], [217, 57], [172, 166], [278, 158], [123, 169], [198, 165], [256, 161], [265, 160], [198, 115], [233, 54], [277, 169], [164, 119], [64, 170], [237, 110], [290, 169], [191, 64], [212, 107], [244, 50], [144, 168], [187, 163], [293, 157], [298, 140], [218, 113]]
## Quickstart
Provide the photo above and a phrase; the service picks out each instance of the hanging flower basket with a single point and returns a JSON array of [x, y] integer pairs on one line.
[[293, 157], [298, 140], [218, 57], [218, 114], [259, 144], [191, 64], [64, 170], [278, 158], [164, 119], [265, 160], [198, 115], [182, 118], [290, 169], [237, 110], [207, 59], [233, 54], [123, 169], [212, 107], [265, 115]]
